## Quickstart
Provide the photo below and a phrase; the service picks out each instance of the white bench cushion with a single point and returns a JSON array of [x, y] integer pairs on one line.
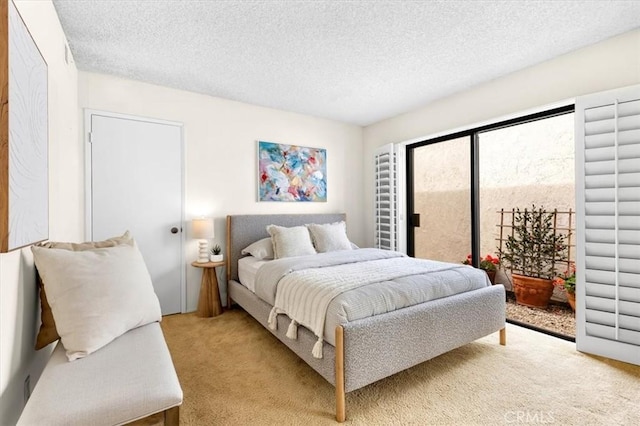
[[130, 378]]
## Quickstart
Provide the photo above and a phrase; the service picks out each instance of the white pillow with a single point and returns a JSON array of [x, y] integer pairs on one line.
[[290, 242], [261, 249], [330, 237], [96, 295]]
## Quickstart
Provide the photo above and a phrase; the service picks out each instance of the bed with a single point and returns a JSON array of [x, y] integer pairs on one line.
[[403, 338]]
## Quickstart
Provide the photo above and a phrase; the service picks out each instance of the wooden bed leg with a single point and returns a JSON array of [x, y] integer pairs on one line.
[[341, 414], [172, 416], [503, 336]]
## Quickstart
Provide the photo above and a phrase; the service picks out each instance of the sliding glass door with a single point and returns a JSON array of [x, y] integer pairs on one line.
[[526, 164], [458, 184], [441, 186]]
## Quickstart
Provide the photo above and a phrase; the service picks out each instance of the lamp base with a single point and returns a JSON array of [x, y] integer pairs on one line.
[[203, 251]]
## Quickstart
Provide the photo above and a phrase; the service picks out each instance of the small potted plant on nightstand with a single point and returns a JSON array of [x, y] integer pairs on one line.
[[216, 255]]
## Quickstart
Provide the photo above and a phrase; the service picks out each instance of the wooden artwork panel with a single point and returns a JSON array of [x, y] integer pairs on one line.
[[24, 187]]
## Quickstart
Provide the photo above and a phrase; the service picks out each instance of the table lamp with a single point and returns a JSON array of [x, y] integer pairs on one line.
[[202, 229]]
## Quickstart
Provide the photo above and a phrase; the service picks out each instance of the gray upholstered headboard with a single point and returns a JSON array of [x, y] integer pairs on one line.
[[243, 230]]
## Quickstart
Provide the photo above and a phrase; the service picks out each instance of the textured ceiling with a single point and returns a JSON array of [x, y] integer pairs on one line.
[[353, 61]]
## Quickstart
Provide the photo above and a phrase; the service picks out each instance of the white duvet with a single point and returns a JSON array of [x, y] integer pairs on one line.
[[327, 289]]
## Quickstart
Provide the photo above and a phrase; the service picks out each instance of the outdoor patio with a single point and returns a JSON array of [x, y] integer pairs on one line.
[[557, 317]]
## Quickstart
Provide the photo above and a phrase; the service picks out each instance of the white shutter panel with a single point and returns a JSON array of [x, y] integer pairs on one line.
[[386, 227], [608, 224]]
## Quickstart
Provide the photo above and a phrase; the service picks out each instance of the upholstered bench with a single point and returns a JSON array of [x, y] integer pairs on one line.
[[129, 379]]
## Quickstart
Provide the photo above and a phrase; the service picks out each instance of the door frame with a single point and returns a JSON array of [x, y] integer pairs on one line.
[[88, 187]]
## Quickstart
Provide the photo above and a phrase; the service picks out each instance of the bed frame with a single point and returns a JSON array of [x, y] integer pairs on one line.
[[402, 338]]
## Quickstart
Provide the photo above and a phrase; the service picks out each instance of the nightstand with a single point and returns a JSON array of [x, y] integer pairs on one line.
[[209, 304]]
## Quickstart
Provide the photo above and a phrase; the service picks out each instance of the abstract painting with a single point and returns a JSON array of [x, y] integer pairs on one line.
[[291, 173]]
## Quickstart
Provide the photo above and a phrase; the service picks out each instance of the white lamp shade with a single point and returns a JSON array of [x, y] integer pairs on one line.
[[202, 228]]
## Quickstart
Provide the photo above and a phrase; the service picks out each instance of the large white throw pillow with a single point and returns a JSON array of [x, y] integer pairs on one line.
[[96, 295], [330, 237], [290, 242]]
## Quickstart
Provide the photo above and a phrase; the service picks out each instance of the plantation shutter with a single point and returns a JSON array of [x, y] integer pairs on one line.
[[608, 224], [386, 229]]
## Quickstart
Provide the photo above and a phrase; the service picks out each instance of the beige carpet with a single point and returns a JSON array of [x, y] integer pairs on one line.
[[234, 372]]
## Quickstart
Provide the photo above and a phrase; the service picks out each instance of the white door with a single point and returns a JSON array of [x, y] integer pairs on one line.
[[136, 185]]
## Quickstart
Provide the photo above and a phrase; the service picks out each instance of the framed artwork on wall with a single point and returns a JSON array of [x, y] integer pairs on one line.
[[24, 136], [291, 173]]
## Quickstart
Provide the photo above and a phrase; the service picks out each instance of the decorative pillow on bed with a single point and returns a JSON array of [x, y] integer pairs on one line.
[[96, 295], [261, 249], [290, 242], [48, 333], [330, 236]]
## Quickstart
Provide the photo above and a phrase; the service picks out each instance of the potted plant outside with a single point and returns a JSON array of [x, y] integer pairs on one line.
[[532, 253], [489, 264], [567, 282], [215, 254]]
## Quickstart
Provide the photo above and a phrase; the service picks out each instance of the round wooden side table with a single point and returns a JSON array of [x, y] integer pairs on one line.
[[209, 304]]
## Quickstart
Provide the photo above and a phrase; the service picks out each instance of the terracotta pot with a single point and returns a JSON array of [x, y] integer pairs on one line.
[[571, 298], [492, 276], [534, 292]]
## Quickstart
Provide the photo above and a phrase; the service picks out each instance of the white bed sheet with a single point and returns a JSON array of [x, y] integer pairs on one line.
[[247, 269]]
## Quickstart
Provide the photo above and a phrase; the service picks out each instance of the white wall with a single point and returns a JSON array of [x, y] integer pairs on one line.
[[221, 153], [220, 141], [19, 307], [610, 64]]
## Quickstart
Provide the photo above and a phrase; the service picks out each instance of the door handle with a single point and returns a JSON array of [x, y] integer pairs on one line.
[[174, 230], [415, 220]]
